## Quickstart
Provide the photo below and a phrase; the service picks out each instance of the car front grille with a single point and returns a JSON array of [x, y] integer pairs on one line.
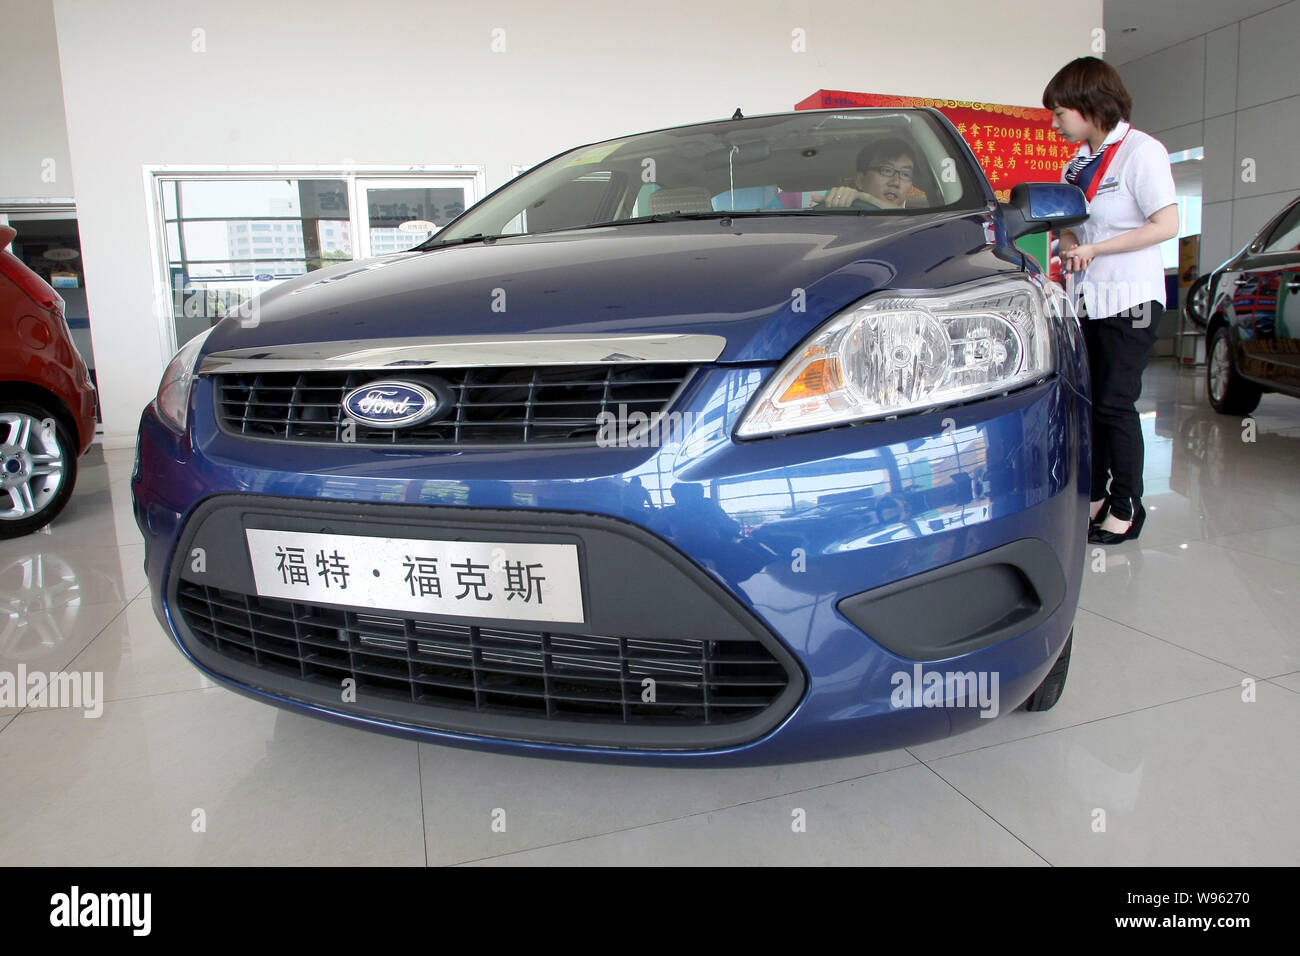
[[685, 682], [493, 406]]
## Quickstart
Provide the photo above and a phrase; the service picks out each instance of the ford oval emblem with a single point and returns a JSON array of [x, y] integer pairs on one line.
[[390, 404]]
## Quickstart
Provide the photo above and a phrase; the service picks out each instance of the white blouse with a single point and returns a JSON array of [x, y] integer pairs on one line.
[[1137, 183]]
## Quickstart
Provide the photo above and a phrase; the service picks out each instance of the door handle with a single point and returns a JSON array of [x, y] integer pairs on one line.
[[1293, 284]]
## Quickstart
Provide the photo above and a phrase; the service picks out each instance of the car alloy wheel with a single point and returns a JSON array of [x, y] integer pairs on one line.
[[37, 468], [1229, 393], [1219, 368], [1198, 301]]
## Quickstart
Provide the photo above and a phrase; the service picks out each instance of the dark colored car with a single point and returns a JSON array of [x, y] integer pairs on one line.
[[672, 449], [47, 401], [1250, 307]]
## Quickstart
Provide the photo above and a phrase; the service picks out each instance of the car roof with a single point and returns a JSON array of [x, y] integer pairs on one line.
[[758, 116]]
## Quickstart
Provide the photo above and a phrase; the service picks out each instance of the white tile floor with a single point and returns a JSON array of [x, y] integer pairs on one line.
[[1152, 731]]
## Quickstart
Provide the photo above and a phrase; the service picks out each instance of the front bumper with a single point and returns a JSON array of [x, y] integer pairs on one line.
[[86, 417], [797, 538]]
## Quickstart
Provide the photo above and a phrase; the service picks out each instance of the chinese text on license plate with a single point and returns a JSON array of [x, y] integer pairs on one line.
[[508, 579]]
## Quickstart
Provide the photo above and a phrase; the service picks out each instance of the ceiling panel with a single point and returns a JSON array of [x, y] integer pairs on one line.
[[1163, 23]]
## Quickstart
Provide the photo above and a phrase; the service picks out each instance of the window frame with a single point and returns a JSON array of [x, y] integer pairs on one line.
[[472, 176], [1288, 217]]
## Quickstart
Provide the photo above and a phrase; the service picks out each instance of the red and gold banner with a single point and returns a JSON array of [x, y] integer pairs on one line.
[[1014, 144]]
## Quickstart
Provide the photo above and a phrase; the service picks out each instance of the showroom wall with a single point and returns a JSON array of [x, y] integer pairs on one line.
[[1235, 91], [328, 81], [34, 161]]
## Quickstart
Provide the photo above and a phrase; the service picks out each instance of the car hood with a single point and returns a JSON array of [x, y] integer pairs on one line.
[[762, 284]]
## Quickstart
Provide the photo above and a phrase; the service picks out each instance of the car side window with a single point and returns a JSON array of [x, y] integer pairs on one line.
[[1286, 236]]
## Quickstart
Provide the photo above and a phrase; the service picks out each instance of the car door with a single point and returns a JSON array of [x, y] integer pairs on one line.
[[1283, 246], [1260, 290]]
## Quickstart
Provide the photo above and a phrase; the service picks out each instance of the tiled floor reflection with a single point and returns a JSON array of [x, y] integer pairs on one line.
[[1179, 719]]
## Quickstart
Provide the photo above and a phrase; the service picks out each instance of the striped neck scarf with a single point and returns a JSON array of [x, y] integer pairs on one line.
[[1086, 171]]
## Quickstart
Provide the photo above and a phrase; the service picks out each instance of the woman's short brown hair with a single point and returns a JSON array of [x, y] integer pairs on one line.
[[1094, 88]]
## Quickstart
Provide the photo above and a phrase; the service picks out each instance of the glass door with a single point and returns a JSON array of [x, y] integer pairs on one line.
[[227, 239], [400, 213], [224, 234]]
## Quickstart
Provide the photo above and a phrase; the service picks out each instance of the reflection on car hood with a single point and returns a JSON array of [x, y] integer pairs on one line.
[[740, 280]]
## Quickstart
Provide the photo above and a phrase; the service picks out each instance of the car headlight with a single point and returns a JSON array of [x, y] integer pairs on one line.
[[899, 352], [173, 401]]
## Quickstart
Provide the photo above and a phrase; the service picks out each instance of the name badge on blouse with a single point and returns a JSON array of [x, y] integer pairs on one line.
[[1108, 186]]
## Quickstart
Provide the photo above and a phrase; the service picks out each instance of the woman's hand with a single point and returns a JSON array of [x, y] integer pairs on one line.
[[1078, 257], [1068, 241]]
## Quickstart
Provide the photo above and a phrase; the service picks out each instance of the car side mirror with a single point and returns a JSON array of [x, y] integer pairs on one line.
[[1038, 207]]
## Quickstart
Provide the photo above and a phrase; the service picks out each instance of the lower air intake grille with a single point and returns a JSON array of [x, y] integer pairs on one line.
[[489, 670]]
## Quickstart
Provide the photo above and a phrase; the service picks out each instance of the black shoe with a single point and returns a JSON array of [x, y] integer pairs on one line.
[[1097, 536], [1101, 514]]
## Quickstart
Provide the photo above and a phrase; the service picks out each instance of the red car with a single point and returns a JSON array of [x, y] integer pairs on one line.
[[47, 401]]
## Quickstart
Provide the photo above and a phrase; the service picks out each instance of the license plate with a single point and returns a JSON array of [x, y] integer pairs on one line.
[[491, 579]]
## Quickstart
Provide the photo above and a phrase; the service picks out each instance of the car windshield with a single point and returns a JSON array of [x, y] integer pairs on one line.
[[855, 162]]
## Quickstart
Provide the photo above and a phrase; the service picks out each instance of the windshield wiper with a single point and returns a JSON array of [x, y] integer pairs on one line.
[[742, 214], [435, 243], [664, 217], [716, 214]]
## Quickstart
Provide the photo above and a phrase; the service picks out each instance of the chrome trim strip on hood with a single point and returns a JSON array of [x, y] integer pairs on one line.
[[464, 351]]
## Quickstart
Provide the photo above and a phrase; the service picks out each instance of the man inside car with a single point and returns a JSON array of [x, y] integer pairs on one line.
[[883, 180]]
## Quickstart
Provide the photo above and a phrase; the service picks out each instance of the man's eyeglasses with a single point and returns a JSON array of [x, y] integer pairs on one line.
[[889, 172]]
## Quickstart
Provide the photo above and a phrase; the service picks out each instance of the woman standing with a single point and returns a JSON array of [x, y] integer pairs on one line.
[[1119, 276]]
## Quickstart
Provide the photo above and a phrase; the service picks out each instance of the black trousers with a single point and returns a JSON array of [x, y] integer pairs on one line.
[[1118, 348]]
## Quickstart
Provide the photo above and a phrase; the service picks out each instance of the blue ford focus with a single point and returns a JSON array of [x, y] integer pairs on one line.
[[740, 442]]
